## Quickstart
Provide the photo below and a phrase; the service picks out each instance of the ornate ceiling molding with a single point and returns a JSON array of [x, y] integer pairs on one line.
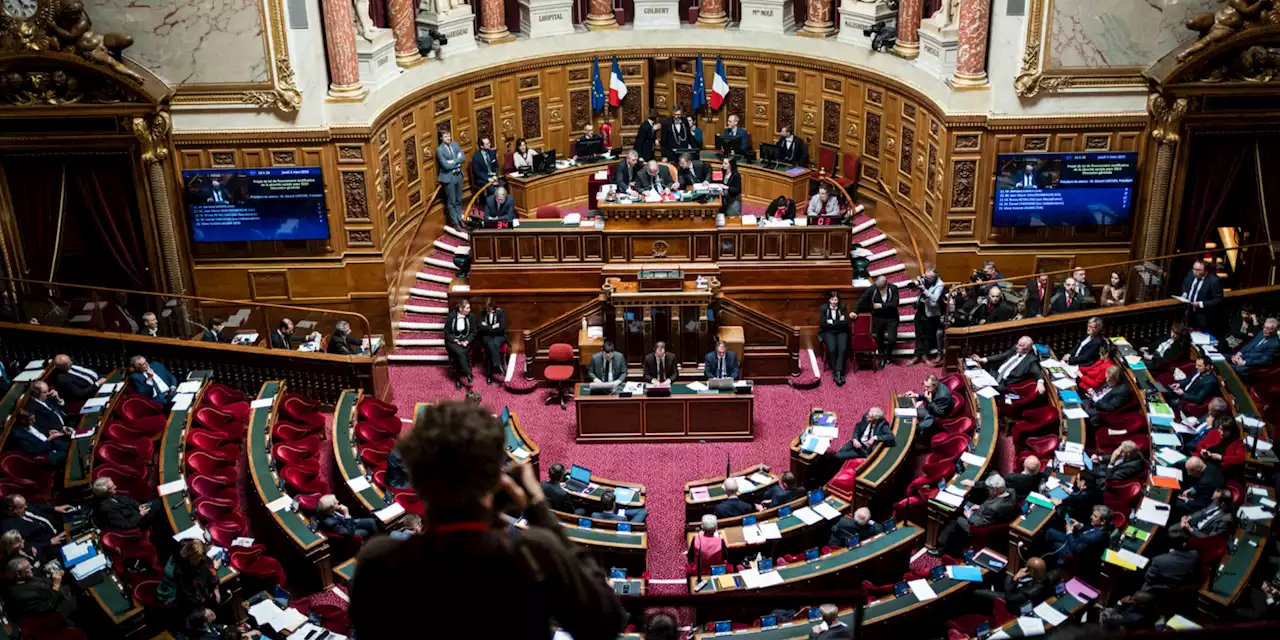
[[1035, 77], [280, 90]]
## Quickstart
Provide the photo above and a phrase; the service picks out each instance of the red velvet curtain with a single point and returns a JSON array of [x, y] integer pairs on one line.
[[35, 185], [106, 191]]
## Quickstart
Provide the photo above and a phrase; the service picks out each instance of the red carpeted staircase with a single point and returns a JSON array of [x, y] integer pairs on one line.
[[885, 262], [421, 336]]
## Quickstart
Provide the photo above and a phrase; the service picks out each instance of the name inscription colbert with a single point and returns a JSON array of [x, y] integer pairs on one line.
[[656, 9]]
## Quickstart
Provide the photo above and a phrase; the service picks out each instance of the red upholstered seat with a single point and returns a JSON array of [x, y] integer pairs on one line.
[[142, 427], [125, 456], [842, 484], [1037, 421], [53, 626], [302, 411], [135, 407], [205, 462], [370, 432], [954, 382], [141, 448], [31, 473], [120, 430], [861, 342], [960, 408], [1029, 399], [988, 536], [299, 478], [127, 481], [284, 431], [220, 395], [930, 475], [560, 371], [296, 451], [211, 487], [211, 440], [1122, 496], [947, 450], [372, 408], [225, 531], [307, 503], [253, 563], [146, 593], [374, 457], [548, 211]]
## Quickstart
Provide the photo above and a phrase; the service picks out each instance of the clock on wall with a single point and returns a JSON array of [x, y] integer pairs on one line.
[[21, 9]]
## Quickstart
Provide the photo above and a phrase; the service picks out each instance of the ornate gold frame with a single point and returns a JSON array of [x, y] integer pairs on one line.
[[280, 91], [1034, 78]]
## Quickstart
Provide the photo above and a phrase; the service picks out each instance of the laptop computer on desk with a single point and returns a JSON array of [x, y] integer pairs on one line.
[[579, 478], [720, 384]]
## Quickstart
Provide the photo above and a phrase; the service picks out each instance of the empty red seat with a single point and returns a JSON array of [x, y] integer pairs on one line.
[[135, 407], [303, 479], [285, 431], [131, 547], [296, 451], [1037, 421], [373, 408], [948, 450], [211, 487], [126, 454], [252, 562], [930, 475], [371, 433], [1122, 496], [954, 382], [842, 484], [31, 473], [148, 427], [215, 419], [374, 457], [207, 463], [221, 395], [561, 370], [212, 441], [302, 411]]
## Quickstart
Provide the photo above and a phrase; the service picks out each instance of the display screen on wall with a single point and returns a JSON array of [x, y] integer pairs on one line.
[[1064, 189], [238, 205]]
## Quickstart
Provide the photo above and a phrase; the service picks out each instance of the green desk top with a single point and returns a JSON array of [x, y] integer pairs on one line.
[[904, 431], [1031, 524], [1241, 399], [1159, 494], [606, 537], [513, 441], [984, 444], [1067, 605], [80, 454], [787, 524], [347, 569], [838, 559], [1073, 429], [1237, 568], [715, 489], [264, 480], [9, 403], [113, 599], [345, 451]]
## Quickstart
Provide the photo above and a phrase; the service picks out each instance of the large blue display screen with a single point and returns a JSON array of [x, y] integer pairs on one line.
[[237, 205], [1064, 189]]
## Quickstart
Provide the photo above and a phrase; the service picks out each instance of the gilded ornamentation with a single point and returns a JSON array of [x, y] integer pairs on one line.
[[555, 116], [761, 111], [735, 71], [904, 154], [578, 75], [385, 192], [785, 106], [1233, 17], [928, 209], [873, 135], [933, 128], [507, 126], [908, 111], [481, 92], [531, 118], [221, 158], [870, 172], [631, 116], [529, 82], [579, 109], [350, 153], [964, 172], [931, 175], [26, 87], [427, 153], [736, 101], [904, 188], [809, 119], [875, 96], [1166, 117], [1254, 64], [382, 137], [661, 101], [889, 143], [285, 96], [152, 132], [831, 122], [1036, 143], [354, 195], [853, 130], [968, 142], [919, 160], [660, 249], [957, 227], [464, 136], [1097, 143], [786, 77], [832, 84], [684, 95], [283, 158], [411, 159], [484, 124], [359, 238], [633, 70], [406, 119], [684, 66], [442, 104]]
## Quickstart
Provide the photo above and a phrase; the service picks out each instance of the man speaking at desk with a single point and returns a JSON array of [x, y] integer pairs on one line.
[[499, 207], [693, 171], [608, 365], [733, 131], [660, 367], [656, 178], [721, 363]]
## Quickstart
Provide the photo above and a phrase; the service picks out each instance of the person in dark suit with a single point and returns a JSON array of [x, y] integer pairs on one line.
[[151, 380], [734, 132], [1037, 295], [35, 440], [493, 336], [609, 510], [190, 579], [655, 177], [791, 149], [284, 338], [1029, 178], [1262, 351], [588, 136], [500, 206], [1137, 612], [1178, 567], [1019, 484], [1031, 584], [831, 627], [1243, 330], [1087, 351], [336, 518], [608, 365], [1171, 352], [151, 326], [647, 136], [459, 333], [214, 332], [994, 308], [1216, 519], [342, 342], [29, 596], [1200, 388], [733, 506], [692, 171], [1113, 395], [484, 165], [1218, 412], [1085, 494], [721, 362], [1203, 292], [833, 330], [74, 383], [216, 193], [39, 524], [1067, 299], [660, 367], [881, 301], [934, 403], [626, 176], [116, 511], [397, 474], [872, 428], [1126, 463], [449, 161], [677, 135], [860, 524], [1000, 506], [786, 490], [1205, 480], [1083, 542], [1083, 288], [557, 498], [731, 202], [1012, 366]]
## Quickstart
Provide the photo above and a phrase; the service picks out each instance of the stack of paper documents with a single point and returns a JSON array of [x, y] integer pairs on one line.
[[826, 511], [807, 515], [700, 493], [1050, 615], [1156, 513], [922, 590], [89, 567], [753, 535], [1201, 338], [988, 391]]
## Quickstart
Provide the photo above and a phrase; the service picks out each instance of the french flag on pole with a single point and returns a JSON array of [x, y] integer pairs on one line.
[[617, 88], [719, 86]]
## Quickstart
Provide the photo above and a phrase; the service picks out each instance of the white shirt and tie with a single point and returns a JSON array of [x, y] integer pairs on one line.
[[460, 325], [31, 517], [1080, 348], [1029, 180], [52, 410], [1008, 366], [156, 381], [1209, 514], [720, 370], [84, 373]]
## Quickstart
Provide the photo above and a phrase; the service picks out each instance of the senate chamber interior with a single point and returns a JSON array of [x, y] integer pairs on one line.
[[663, 319]]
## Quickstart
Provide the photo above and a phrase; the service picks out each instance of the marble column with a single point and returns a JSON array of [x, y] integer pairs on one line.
[[818, 22], [493, 22], [711, 14], [340, 42], [406, 32], [974, 23], [600, 15], [908, 45]]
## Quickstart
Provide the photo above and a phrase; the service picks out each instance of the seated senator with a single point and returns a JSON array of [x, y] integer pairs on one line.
[[707, 549], [692, 171], [608, 365], [553, 488], [1171, 352], [1217, 412], [74, 383], [994, 309], [721, 362], [1259, 352], [1223, 447], [283, 337], [336, 518], [1013, 366], [39, 524], [1205, 481], [151, 380], [609, 510], [734, 132], [115, 511], [1216, 519], [1199, 388], [1126, 463], [1030, 585], [27, 595], [1089, 348], [1176, 568], [523, 157], [823, 203], [1019, 483], [1001, 506], [500, 206], [342, 342], [190, 578], [660, 367], [1083, 542], [1067, 298], [626, 175], [872, 428], [214, 332], [35, 440], [1113, 395], [397, 472], [588, 136], [860, 524], [655, 177], [733, 506], [934, 403], [784, 491], [1086, 493]]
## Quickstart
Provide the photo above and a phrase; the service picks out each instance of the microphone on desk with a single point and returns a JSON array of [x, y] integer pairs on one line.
[[728, 465]]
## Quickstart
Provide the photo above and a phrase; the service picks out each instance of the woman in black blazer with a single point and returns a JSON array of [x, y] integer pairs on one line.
[[493, 335], [731, 204], [833, 329], [460, 332], [1175, 350]]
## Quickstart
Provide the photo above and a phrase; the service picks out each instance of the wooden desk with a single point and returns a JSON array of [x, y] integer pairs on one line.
[[516, 440], [694, 509], [1236, 569], [307, 545], [986, 433], [802, 462], [347, 459], [115, 603], [1242, 404], [796, 535], [343, 573], [661, 215], [590, 497], [877, 473], [563, 188], [684, 415], [612, 547], [1066, 604], [80, 459], [761, 184]]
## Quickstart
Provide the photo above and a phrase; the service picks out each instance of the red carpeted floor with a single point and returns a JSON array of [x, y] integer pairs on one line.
[[665, 468]]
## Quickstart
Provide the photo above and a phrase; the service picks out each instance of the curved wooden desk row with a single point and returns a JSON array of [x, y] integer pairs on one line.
[[684, 414], [1242, 404], [796, 535], [802, 461], [80, 459], [694, 508], [983, 444], [14, 400], [370, 498], [1236, 569], [309, 545], [895, 545], [881, 468]]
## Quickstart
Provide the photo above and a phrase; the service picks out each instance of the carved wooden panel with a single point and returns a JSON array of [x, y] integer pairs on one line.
[[684, 96], [736, 103], [786, 77], [442, 104], [220, 159], [354, 195], [359, 237], [504, 249], [703, 248], [384, 181], [831, 122], [875, 96], [1097, 143], [793, 245], [771, 245], [904, 188], [960, 227], [931, 170], [579, 109], [908, 111], [579, 75], [684, 66], [269, 285], [530, 118], [963, 174], [968, 142], [549, 248], [348, 153], [906, 149], [527, 249], [735, 71], [593, 248], [617, 248], [834, 85], [631, 106], [870, 171], [529, 82], [481, 92], [728, 246], [283, 158], [1035, 143], [872, 135], [411, 159], [571, 248], [785, 106], [484, 125], [750, 246]]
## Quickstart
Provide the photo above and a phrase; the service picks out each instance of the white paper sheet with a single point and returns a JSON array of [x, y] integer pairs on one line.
[[697, 386], [922, 590], [948, 498], [1049, 614], [1166, 440], [770, 531], [744, 485], [1262, 446], [1072, 458], [264, 612], [825, 432], [957, 489], [750, 578], [826, 511], [1135, 559], [807, 515], [288, 621], [520, 453], [358, 484], [1170, 455], [172, 487], [1075, 413], [969, 458], [279, 504], [190, 386], [1254, 513], [34, 364], [389, 512], [264, 402], [753, 535], [1031, 626], [1257, 491], [109, 388], [988, 391], [28, 375], [1169, 472], [89, 567], [760, 479], [1148, 512], [182, 401], [904, 413], [770, 578], [194, 532], [94, 403], [1064, 383], [242, 542]]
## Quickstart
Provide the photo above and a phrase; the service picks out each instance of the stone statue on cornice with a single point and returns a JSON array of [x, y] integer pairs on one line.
[[1234, 16], [946, 14], [364, 24], [445, 6], [75, 34]]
